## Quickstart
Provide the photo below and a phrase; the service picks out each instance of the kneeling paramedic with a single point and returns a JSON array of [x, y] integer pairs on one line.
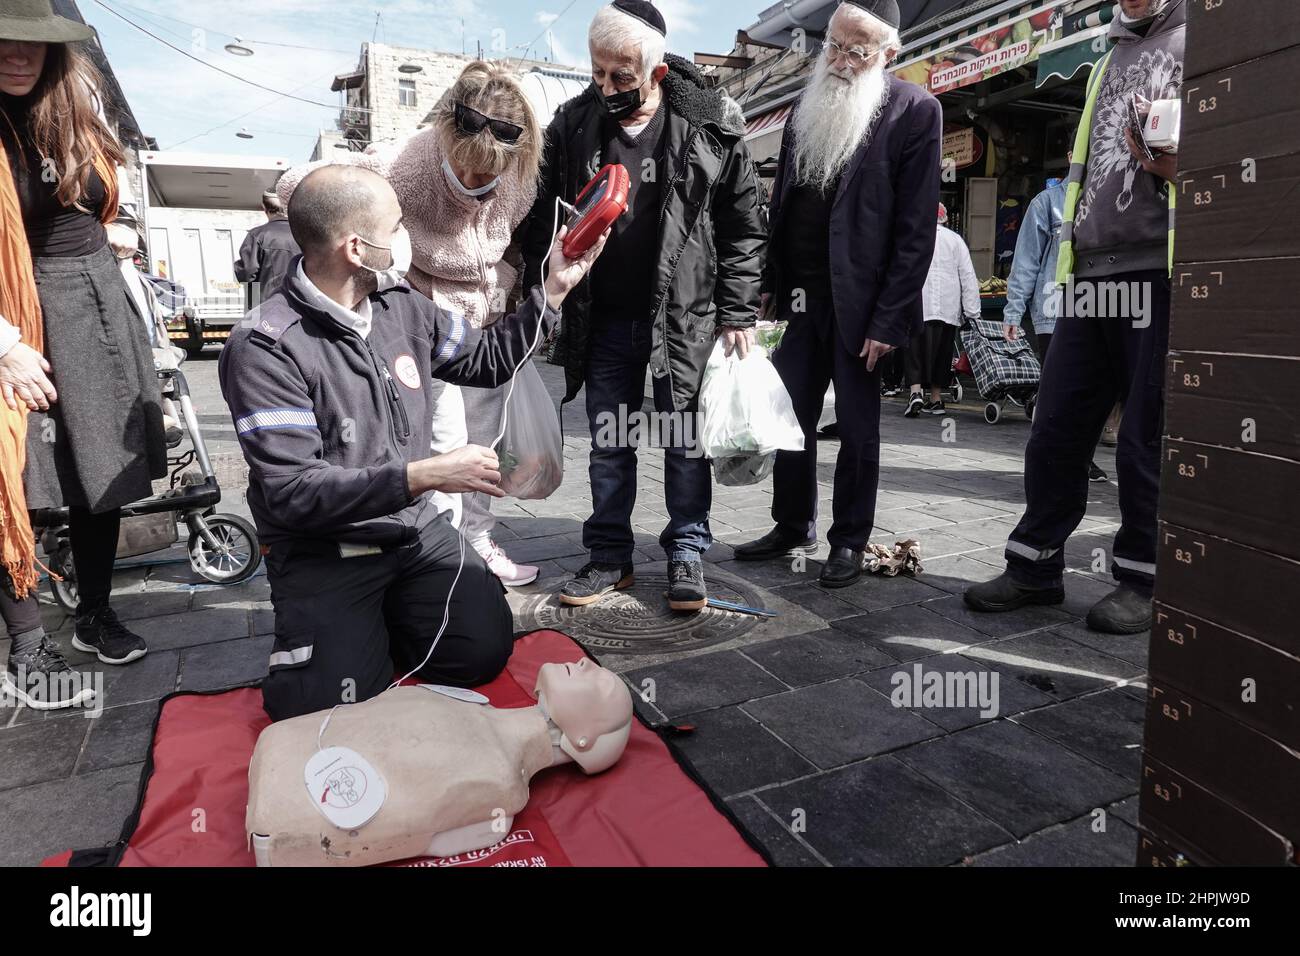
[[328, 384]]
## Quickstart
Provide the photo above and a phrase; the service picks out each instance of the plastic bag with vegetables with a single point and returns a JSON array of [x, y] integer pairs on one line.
[[531, 451]]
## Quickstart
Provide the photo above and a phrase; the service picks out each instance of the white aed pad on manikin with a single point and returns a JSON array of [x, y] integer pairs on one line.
[[344, 787]]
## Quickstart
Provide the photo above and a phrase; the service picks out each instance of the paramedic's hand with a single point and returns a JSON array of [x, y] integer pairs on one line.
[[564, 273], [1164, 166], [873, 352], [1010, 332], [739, 339], [467, 469], [123, 240], [24, 379]]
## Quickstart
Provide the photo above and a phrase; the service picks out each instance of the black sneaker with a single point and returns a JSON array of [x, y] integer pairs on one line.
[[934, 408], [102, 634], [686, 591], [42, 679], [594, 581], [1005, 594], [914, 405], [1096, 474]]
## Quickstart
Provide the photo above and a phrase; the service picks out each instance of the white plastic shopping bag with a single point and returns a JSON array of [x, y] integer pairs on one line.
[[532, 450], [747, 416]]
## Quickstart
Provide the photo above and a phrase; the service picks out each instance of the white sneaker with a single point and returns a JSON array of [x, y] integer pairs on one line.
[[512, 575]]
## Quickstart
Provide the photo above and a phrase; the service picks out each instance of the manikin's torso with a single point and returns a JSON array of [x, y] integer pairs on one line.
[[448, 765]]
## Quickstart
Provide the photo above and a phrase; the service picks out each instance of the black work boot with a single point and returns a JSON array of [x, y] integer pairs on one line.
[[99, 632], [777, 543], [1005, 594], [686, 590], [42, 679], [594, 581], [843, 566], [1122, 611]]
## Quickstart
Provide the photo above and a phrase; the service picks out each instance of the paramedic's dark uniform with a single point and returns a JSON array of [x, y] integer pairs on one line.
[[360, 569]]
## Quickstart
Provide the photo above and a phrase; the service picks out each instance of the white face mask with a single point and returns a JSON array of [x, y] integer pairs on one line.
[[460, 187], [400, 250]]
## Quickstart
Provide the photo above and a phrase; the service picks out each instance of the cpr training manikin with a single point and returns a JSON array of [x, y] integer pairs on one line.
[[417, 772]]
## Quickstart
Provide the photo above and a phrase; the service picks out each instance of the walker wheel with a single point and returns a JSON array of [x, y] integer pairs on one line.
[[232, 554], [992, 413], [65, 592]]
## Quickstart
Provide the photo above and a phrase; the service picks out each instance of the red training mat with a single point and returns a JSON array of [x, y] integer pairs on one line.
[[644, 811]]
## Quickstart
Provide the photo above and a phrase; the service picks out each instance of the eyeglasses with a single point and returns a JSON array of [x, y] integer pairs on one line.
[[856, 58], [471, 122]]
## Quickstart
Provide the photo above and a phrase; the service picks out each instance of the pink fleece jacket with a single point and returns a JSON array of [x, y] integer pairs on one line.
[[458, 241]]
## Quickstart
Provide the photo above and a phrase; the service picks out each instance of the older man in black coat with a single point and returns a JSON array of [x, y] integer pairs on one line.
[[852, 236]]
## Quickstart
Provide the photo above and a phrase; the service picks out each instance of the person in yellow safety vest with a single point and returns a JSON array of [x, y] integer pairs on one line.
[[1111, 337]]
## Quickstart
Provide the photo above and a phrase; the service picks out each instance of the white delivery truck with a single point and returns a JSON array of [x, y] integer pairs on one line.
[[197, 209]]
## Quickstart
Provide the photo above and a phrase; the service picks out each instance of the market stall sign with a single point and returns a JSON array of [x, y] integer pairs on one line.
[[986, 53], [962, 148]]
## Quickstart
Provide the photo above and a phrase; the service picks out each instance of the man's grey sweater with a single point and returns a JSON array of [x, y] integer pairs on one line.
[[1122, 224]]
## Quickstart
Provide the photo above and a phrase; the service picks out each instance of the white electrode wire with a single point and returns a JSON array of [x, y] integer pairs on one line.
[[546, 263], [446, 612]]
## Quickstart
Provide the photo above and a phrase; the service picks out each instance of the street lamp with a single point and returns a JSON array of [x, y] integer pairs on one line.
[[244, 133], [410, 68], [237, 48]]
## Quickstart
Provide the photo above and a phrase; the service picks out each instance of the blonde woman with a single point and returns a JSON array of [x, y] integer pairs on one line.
[[465, 184]]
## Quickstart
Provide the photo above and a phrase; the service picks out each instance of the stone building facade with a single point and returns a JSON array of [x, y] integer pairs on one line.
[[394, 89]]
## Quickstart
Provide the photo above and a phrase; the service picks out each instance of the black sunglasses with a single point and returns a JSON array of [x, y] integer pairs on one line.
[[471, 121]]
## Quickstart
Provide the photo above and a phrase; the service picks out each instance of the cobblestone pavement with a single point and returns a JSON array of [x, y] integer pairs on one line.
[[793, 719]]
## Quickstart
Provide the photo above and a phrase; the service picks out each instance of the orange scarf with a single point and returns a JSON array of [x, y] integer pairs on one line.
[[21, 308]]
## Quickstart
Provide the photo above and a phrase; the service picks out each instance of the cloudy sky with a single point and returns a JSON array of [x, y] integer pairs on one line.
[[301, 44]]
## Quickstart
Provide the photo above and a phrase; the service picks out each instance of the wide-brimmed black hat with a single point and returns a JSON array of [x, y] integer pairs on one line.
[[886, 10], [34, 21]]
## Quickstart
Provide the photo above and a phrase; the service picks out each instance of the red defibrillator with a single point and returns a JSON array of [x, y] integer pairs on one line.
[[601, 201]]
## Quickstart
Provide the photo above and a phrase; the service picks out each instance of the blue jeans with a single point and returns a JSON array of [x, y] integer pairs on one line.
[[616, 367]]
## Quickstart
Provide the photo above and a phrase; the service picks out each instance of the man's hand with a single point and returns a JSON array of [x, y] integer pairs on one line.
[[467, 469], [24, 378], [765, 306], [738, 339], [1010, 332], [873, 352], [123, 240], [564, 273], [1165, 165]]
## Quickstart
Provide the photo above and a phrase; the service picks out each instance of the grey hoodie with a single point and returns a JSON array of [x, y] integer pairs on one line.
[[1123, 220]]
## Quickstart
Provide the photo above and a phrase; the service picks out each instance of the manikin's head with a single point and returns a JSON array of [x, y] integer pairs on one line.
[[846, 94], [592, 708]]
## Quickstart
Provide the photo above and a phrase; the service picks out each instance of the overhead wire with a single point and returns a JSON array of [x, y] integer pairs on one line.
[[225, 72]]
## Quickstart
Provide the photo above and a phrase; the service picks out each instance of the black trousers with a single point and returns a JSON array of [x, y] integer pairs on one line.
[[1093, 361], [346, 627], [810, 357], [929, 361], [20, 617]]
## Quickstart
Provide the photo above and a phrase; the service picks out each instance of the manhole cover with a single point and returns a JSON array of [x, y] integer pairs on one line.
[[639, 621]]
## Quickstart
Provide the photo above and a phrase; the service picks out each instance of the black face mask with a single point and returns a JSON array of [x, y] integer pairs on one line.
[[621, 105]]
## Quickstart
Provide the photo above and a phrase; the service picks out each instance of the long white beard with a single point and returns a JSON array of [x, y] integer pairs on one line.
[[832, 119]]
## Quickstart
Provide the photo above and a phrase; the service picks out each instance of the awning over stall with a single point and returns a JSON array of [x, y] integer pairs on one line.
[[1067, 57]]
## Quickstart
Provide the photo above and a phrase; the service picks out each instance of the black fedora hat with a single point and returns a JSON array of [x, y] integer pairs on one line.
[[34, 21]]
